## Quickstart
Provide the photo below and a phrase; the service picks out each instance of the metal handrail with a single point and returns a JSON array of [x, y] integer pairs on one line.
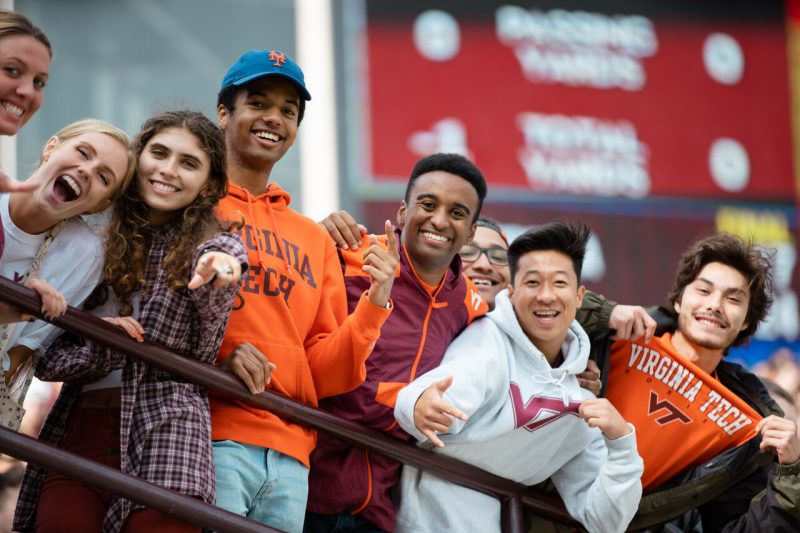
[[97, 330], [132, 488]]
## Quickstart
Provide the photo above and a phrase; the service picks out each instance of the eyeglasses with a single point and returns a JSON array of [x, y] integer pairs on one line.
[[496, 256]]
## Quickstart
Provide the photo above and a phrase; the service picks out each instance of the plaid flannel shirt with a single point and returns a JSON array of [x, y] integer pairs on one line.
[[165, 433]]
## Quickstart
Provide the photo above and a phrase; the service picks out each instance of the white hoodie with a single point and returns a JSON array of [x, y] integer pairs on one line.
[[523, 425]]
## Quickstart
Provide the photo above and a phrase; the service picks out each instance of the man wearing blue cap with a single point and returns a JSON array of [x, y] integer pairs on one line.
[[291, 332]]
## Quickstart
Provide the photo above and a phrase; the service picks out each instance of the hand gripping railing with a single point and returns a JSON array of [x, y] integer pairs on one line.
[[511, 495]]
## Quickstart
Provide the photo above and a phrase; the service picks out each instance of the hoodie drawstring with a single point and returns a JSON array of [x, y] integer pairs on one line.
[[259, 246], [281, 246], [548, 379], [252, 216]]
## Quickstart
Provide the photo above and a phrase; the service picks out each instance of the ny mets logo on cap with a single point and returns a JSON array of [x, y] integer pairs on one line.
[[255, 64], [278, 57]]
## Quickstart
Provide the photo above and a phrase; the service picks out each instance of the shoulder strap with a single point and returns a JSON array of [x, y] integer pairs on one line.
[[6, 330]]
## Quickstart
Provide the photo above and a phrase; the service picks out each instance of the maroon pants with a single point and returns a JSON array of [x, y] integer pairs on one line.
[[67, 506]]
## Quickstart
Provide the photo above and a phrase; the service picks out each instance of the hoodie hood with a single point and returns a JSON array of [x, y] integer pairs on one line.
[[273, 194], [575, 347], [275, 199]]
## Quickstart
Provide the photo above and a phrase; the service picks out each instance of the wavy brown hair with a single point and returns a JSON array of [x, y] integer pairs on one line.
[[751, 260], [130, 233]]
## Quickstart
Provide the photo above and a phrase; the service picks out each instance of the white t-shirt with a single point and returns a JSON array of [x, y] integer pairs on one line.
[[73, 265]]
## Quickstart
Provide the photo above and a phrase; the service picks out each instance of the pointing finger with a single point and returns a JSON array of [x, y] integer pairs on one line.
[[204, 272]]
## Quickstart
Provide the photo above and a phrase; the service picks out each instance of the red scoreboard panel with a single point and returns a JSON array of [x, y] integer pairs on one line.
[[607, 98]]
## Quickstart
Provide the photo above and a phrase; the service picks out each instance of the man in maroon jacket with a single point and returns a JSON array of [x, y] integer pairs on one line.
[[349, 488]]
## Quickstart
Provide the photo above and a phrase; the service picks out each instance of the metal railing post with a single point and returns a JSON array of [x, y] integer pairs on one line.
[[512, 518]]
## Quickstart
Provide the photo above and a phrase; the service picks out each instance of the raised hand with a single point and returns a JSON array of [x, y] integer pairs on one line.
[[600, 413], [779, 435], [343, 229], [433, 415], [250, 365], [127, 324], [381, 266], [9, 185], [631, 322], [221, 268]]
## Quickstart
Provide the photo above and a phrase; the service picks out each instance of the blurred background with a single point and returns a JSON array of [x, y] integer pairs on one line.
[[655, 122]]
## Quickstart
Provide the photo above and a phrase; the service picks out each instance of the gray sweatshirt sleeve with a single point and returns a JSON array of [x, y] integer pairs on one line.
[[602, 489], [477, 375]]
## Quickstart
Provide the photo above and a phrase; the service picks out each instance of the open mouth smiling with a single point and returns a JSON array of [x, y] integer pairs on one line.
[[160, 186], [13, 109], [546, 317], [66, 188], [267, 136], [435, 236], [710, 322]]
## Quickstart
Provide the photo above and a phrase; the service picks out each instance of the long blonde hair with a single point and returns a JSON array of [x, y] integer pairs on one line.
[[93, 125]]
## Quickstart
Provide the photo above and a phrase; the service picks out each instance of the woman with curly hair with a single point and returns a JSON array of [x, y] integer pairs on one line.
[[171, 273]]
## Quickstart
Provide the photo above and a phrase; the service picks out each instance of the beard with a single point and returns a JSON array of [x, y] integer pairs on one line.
[[705, 340]]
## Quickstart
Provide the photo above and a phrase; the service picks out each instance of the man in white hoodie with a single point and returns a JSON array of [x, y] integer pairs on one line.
[[506, 398]]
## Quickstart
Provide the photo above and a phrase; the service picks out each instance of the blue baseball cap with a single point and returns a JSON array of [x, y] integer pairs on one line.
[[257, 63]]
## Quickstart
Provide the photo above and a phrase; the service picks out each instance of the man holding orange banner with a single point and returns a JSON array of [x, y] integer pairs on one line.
[[695, 414]]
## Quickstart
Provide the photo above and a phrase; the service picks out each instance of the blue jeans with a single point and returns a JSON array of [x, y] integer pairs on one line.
[[261, 484]]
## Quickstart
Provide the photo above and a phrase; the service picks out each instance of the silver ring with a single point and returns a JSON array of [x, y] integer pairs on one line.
[[225, 270]]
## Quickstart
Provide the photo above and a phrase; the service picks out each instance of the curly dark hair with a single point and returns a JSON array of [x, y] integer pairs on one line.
[[130, 232], [752, 261]]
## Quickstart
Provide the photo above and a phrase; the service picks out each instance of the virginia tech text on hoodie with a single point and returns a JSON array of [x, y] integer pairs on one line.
[[293, 308]]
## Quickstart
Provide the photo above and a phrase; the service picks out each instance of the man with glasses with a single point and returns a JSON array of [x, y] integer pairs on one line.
[[485, 259]]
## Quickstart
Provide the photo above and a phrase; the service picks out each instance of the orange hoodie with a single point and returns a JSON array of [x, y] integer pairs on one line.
[[294, 310]]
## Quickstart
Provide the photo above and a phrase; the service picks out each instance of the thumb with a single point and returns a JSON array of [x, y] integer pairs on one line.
[[391, 239], [444, 384]]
